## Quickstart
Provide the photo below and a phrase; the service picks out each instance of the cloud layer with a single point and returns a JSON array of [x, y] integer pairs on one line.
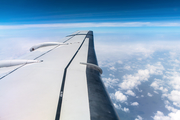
[[84, 25], [132, 81]]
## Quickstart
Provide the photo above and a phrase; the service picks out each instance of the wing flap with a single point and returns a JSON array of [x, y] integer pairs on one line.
[[75, 104]]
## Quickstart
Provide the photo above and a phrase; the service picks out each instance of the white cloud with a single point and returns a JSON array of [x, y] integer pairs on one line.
[[143, 74], [132, 81], [120, 62], [126, 103], [173, 76], [157, 85], [177, 61], [117, 106], [175, 81], [105, 24], [74, 25], [176, 104], [139, 90], [171, 116], [149, 94], [130, 92], [111, 75], [164, 95], [135, 104], [166, 102], [170, 108], [173, 54], [139, 59], [126, 109], [114, 51], [112, 68], [163, 89], [175, 97], [109, 82], [120, 108], [156, 69], [175, 115], [107, 53], [160, 116], [127, 67], [120, 96], [142, 95], [156, 92], [139, 118]]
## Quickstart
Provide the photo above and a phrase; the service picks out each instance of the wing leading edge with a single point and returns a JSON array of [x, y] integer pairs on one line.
[[60, 87]]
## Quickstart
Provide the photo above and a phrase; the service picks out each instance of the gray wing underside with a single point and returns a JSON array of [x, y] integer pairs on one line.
[[59, 88]]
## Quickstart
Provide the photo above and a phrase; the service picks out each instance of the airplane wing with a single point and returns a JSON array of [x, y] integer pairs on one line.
[[56, 81]]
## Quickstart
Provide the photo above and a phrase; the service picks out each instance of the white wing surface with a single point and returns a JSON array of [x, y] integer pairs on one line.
[[65, 85]]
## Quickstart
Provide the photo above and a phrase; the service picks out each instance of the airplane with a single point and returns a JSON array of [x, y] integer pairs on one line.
[[56, 81]]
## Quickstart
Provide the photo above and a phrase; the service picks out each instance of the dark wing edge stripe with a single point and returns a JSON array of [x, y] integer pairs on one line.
[[101, 107]]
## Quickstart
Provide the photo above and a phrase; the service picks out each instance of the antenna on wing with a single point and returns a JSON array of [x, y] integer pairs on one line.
[[93, 66], [9, 63], [45, 44]]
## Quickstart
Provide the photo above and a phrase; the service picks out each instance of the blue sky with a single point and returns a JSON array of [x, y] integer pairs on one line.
[[135, 40], [68, 11]]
